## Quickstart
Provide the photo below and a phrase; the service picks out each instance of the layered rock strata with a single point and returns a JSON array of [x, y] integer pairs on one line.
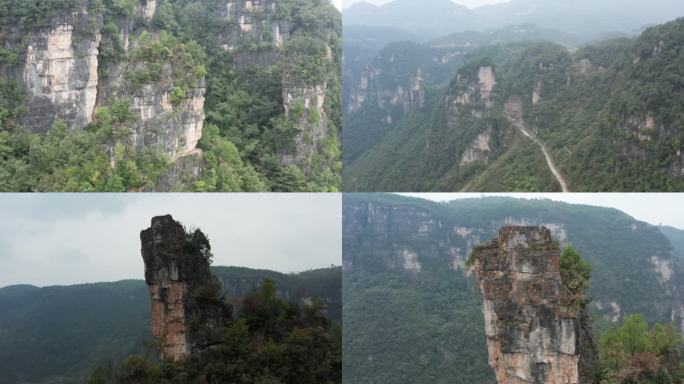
[[60, 71], [533, 334]]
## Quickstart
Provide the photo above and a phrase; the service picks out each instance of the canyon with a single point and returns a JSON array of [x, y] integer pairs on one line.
[[147, 65]]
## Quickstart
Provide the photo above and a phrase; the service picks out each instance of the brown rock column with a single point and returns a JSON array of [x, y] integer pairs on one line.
[[162, 250], [181, 288], [531, 336]]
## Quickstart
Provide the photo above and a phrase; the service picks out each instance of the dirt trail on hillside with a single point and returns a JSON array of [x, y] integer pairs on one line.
[[514, 115]]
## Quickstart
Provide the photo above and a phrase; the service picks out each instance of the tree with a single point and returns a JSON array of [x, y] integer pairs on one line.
[[633, 353], [575, 272]]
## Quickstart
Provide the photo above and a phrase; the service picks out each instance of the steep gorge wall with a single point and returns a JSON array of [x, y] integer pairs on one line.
[[82, 60], [60, 71], [532, 329], [67, 80], [383, 237]]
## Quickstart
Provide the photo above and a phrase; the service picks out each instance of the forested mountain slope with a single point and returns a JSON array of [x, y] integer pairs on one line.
[[608, 115], [129, 95], [59, 334], [405, 76], [412, 312]]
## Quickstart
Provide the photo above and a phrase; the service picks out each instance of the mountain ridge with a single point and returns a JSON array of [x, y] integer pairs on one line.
[[59, 334], [607, 113]]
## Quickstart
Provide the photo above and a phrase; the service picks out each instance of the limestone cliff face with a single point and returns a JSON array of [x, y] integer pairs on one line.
[[396, 237], [66, 79], [396, 97], [532, 330], [313, 130], [60, 71], [173, 272], [175, 128], [468, 106], [253, 20]]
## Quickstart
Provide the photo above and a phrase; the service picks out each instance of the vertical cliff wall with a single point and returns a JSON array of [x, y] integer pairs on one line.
[[61, 66], [175, 268], [59, 70], [533, 331]]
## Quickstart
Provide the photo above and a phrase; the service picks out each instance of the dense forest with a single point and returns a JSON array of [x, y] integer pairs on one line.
[[412, 311], [608, 113], [212, 95], [61, 334]]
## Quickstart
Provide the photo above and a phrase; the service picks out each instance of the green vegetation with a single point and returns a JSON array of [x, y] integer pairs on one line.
[[61, 334], [71, 161], [186, 46], [634, 353], [272, 341], [575, 273]]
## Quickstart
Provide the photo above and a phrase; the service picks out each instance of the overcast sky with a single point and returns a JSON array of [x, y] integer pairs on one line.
[[60, 239], [467, 3], [653, 208]]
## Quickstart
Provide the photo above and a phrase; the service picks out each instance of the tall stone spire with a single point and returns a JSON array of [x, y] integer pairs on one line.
[[174, 269], [533, 334]]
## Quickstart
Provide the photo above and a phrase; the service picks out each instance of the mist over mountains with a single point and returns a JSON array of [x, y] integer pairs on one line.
[[587, 19]]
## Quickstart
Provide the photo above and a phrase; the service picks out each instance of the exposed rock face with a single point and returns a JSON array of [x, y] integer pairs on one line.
[[487, 80], [60, 71], [418, 90], [173, 271], [396, 100], [174, 128], [76, 65], [149, 8], [314, 130], [477, 150], [66, 80], [533, 334]]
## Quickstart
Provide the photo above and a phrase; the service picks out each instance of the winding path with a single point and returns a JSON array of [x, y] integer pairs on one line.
[[549, 160]]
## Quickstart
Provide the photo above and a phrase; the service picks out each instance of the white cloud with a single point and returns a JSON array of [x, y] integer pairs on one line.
[[67, 239]]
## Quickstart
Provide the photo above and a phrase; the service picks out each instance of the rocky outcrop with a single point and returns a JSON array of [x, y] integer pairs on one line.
[[313, 123], [474, 91], [477, 151], [177, 272], [535, 333], [174, 127], [252, 21], [67, 80], [396, 100], [487, 81], [417, 95]]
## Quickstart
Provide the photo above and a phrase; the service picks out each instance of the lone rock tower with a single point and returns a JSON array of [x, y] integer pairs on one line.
[[176, 265], [533, 335]]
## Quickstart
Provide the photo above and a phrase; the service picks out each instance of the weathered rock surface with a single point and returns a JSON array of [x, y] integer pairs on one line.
[[60, 71], [82, 61], [313, 131], [534, 335], [401, 96], [174, 270]]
